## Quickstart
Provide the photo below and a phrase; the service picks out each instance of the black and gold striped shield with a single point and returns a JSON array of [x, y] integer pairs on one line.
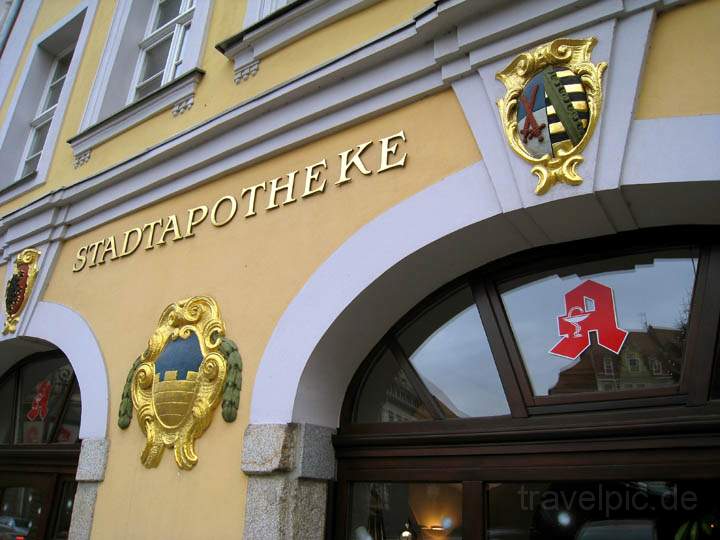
[[553, 112]]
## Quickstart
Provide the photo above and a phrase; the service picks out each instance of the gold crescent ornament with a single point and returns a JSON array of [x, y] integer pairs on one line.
[[551, 107]]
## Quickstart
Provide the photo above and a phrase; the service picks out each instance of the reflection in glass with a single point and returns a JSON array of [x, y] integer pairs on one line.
[[21, 510], [7, 391], [646, 510], [652, 295], [156, 58], [395, 511], [388, 396], [69, 430], [167, 11], [448, 348], [64, 510], [43, 388]]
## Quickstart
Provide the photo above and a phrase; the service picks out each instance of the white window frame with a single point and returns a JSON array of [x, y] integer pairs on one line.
[[110, 108], [608, 366], [633, 357], [176, 30], [44, 115], [30, 91], [257, 10], [657, 368]]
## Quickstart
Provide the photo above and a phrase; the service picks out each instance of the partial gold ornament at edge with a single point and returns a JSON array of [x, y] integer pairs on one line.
[[29, 256], [574, 54], [199, 315]]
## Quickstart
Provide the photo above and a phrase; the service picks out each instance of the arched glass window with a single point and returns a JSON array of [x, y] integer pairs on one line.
[[39, 447], [549, 377], [438, 365]]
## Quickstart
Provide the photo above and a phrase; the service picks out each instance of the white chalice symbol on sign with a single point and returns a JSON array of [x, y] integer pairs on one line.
[[575, 316]]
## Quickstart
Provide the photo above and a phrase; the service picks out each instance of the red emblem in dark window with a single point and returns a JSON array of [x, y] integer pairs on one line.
[[39, 408], [590, 307]]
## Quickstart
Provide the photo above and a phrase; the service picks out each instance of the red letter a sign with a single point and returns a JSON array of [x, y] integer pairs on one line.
[[590, 307]]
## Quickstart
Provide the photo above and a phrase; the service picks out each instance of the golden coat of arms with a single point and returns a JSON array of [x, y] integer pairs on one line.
[[188, 368], [551, 108], [19, 287]]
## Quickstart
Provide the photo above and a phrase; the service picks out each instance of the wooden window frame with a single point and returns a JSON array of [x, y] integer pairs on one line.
[[626, 435], [60, 457], [700, 349]]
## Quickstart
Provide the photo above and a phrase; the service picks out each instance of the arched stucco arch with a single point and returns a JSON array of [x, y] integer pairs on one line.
[[68, 331], [394, 261]]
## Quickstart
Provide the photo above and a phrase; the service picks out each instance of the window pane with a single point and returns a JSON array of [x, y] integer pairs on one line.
[[43, 387], [646, 510], [167, 11], [448, 348], [62, 67], [156, 58], [69, 430], [617, 324], [7, 391], [405, 511], [148, 87], [388, 396], [181, 49], [30, 166], [39, 136], [21, 510], [64, 506], [53, 94]]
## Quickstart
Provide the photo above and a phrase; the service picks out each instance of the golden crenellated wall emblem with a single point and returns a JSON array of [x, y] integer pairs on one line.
[[188, 368], [19, 287], [551, 107]]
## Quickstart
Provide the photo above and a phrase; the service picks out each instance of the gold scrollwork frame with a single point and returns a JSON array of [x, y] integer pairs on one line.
[[30, 257], [574, 54], [199, 315]]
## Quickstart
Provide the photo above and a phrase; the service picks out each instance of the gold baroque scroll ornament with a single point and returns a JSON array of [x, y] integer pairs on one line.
[[19, 287], [551, 107], [189, 366]]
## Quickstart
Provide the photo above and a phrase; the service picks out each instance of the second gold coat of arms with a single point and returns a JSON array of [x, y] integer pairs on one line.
[[551, 107], [187, 370]]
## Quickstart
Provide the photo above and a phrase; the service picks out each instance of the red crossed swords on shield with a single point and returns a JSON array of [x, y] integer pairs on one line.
[[530, 129]]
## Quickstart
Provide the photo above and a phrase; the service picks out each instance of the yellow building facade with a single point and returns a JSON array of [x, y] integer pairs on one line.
[[317, 169]]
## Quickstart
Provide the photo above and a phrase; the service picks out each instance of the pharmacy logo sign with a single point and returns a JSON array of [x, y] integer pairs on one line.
[[589, 307]]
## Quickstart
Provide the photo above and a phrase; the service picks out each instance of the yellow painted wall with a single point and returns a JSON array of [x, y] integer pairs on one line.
[[216, 93], [682, 72], [253, 267]]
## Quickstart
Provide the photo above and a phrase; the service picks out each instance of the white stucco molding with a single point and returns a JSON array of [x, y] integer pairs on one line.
[[177, 94], [261, 38], [450, 41], [16, 42], [69, 332]]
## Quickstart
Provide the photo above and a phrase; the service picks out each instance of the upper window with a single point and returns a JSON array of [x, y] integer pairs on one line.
[[535, 334], [161, 41], [40, 125], [162, 47], [259, 9], [32, 123]]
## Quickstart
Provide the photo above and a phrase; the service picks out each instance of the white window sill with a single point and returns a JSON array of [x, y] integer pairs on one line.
[[279, 29], [178, 93]]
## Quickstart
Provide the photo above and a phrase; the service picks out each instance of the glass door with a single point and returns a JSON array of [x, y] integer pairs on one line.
[[25, 505]]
